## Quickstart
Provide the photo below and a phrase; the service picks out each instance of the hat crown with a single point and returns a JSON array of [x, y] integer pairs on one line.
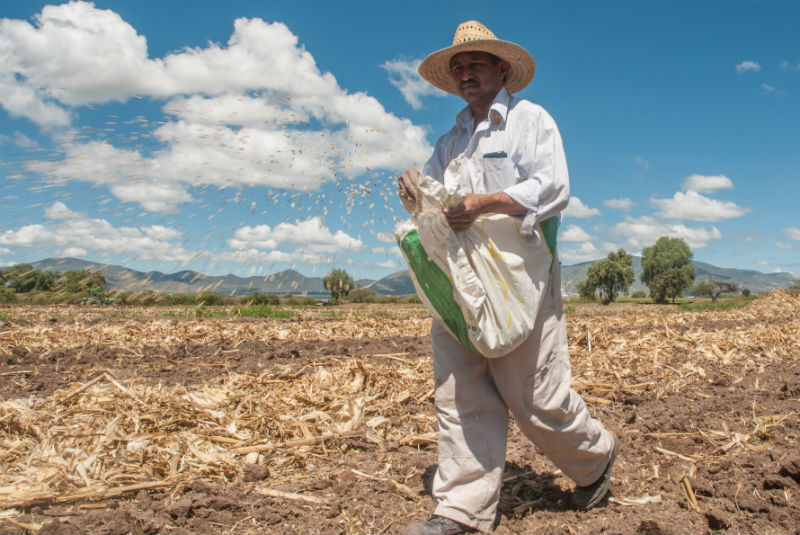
[[472, 30]]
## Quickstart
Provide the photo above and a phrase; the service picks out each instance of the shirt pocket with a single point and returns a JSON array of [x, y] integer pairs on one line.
[[498, 174]]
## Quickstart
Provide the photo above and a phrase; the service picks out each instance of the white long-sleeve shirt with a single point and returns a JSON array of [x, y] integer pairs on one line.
[[517, 150]]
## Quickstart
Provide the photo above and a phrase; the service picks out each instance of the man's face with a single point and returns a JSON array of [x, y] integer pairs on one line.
[[477, 78]]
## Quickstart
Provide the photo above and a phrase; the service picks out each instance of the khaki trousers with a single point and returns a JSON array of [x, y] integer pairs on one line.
[[473, 397]]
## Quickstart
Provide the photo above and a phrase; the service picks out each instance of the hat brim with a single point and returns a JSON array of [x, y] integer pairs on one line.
[[436, 67]]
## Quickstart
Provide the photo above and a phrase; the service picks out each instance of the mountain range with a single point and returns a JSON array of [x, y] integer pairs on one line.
[[399, 283]]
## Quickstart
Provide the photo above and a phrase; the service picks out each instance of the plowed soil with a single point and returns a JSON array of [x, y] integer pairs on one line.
[[714, 450]]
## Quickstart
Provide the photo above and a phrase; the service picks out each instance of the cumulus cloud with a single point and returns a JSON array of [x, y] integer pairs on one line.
[[624, 204], [256, 111], [73, 232], [576, 208], [782, 245], [73, 252], [695, 207], [389, 264], [792, 233], [746, 66], [308, 236], [644, 231], [256, 256], [386, 237], [585, 252], [706, 184], [58, 210], [574, 234], [404, 76]]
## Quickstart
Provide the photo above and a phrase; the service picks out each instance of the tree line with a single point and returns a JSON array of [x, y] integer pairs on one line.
[[25, 284], [667, 271]]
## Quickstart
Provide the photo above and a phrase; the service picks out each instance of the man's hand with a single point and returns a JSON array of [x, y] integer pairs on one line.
[[407, 185], [462, 216]]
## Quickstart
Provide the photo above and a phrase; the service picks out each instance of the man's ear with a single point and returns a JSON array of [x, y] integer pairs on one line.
[[504, 68]]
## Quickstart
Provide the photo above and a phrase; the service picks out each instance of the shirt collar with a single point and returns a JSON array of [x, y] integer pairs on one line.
[[499, 109]]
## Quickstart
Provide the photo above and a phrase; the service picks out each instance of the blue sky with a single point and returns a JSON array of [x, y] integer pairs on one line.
[[250, 137]]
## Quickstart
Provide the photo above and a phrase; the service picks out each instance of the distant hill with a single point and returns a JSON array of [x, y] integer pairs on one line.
[[190, 282], [398, 283]]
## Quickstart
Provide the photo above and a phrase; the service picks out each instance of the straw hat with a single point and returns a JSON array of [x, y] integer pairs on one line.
[[472, 36]]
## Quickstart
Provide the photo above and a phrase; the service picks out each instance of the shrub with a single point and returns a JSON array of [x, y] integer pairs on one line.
[[7, 295], [414, 300], [179, 299], [210, 299], [257, 298], [639, 294]]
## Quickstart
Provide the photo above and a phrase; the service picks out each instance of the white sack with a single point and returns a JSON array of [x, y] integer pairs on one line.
[[485, 283]]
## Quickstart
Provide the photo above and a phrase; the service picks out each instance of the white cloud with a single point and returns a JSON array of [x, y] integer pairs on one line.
[[160, 232], [576, 208], [782, 245], [645, 231], [767, 89], [762, 263], [242, 113], [386, 237], [23, 141], [624, 204], [389, 264], [574, 234], [792, 233], [58, 210], [746, 66], [785, 66], [255, 256], [73, 252], [695, 207], [404, 76], [706, 184], [78, 233], [585, 252], [309, 236]]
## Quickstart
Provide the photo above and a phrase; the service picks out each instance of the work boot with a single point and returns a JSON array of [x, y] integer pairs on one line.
[[584, 498], [438, 525]]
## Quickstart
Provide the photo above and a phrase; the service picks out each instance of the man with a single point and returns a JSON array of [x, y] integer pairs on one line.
[[513, 162]]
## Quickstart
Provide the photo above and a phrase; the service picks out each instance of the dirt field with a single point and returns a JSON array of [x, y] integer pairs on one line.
[[324, 423]]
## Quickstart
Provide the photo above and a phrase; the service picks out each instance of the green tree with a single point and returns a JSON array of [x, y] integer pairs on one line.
[[338, 282], [586, 291], [24, 278], [609, 277], [6, 294], [795, 285], [358, 295], [258, 298], [713, 287], [667, 268]]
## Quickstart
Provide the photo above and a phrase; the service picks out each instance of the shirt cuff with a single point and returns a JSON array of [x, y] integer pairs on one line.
[[523, 194]]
